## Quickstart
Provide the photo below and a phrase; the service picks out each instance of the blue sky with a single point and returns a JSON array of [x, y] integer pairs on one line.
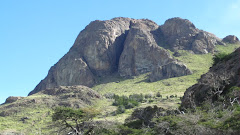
[[34, 35]]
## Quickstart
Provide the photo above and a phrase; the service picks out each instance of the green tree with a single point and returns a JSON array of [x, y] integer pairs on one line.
[[73, 118]]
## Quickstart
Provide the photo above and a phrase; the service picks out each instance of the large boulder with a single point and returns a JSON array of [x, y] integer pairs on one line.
[[216, 83], [141, 54], [231, 39], [173, 69], [12, 99], [181, 34]]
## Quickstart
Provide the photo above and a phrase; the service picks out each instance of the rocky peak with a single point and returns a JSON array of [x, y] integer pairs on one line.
[[181, 34], [127, 46], [231, 39], [176, 27]]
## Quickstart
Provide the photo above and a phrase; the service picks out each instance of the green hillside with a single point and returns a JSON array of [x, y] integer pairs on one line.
[[38, 115]]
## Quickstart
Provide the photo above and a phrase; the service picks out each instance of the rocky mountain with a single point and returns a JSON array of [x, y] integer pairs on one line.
[[128, 46], [218, 83]]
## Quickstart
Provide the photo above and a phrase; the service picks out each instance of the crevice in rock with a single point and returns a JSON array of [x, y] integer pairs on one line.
[[159, 38], [119, 48]]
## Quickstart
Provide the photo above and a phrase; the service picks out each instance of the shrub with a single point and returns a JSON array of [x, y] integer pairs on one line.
[[220, 57], [109, 95], [124, 130], [120, 109], [136, 97], [234, 121], [158, 94], [128, 103], [73, 118]]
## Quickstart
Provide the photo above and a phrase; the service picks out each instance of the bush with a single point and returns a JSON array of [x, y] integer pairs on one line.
[[120, 109], [234, 121], [158, 94], [127, 102], [73, 118], [109, 95], [136, 97], [220, 57], [124, 130]]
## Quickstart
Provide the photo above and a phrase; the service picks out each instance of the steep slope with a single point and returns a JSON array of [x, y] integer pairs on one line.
[[94, 53], [216, 83]]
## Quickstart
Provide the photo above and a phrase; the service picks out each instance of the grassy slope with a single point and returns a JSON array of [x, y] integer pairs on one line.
[[166, 87], [199, 64], [39, 116]]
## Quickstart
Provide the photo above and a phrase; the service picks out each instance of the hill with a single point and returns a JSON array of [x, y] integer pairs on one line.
[[117, 58]]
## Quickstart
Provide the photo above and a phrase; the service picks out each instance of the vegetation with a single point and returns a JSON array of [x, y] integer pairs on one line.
[[221, 57], [73, 118], [37, 118]]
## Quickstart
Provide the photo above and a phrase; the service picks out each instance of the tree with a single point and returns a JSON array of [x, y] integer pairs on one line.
[[73, 118]]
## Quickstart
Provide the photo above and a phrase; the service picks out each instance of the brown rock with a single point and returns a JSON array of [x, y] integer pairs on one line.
[[12, 99], [95, 52], [70, 70], [173, 69], [181, 34], [141, 54], [231, 39]]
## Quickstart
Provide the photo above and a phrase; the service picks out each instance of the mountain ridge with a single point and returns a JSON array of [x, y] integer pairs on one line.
[[128, 46]]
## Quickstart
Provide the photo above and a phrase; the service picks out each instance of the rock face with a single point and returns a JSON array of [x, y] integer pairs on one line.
[[141, 52], [181, 34], [95, 52], [231, 39], [215, 83], [173, 69], [127, 46]]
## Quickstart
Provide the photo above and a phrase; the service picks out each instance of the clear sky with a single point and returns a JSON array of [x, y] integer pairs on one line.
[[35, 34]]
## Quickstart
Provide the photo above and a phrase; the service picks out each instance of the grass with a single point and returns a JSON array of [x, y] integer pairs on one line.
[[199, 64], [38, 120]]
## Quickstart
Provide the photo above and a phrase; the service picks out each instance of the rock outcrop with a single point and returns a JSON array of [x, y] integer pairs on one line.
[[173, 69], [141, 53], [231, 39], [215, 83], [181, 34], [127, 46], [12, 99], [76, 96]]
